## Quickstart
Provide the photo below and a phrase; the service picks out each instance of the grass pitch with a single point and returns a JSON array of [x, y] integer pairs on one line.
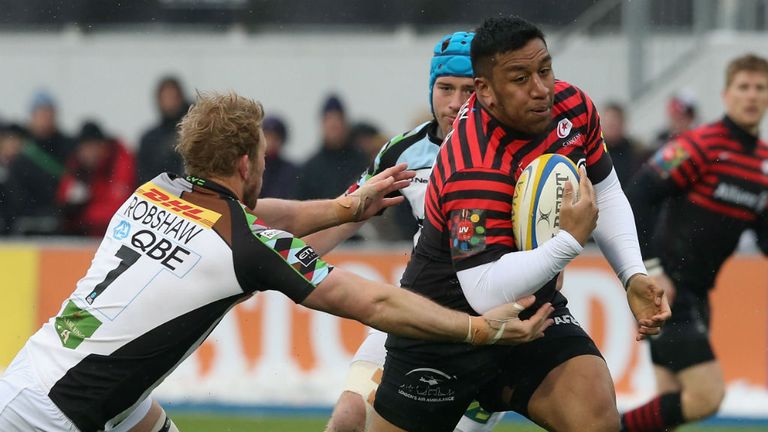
[[230, 423]]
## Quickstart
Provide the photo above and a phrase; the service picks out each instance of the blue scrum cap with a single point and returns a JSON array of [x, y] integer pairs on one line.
[[451, 58]]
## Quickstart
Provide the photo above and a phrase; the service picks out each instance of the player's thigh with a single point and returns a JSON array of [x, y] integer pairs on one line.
[[355, 403], [666, 380], [703, 389], [531, 363], [430, 390], [576, 395], [380, 424]]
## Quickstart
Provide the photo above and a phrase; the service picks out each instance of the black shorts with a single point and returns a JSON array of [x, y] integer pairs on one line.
[[534, 360], [429, 391], [684, 339]]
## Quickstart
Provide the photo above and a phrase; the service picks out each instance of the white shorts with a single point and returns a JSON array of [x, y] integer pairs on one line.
[[372, 349], [26, 407]]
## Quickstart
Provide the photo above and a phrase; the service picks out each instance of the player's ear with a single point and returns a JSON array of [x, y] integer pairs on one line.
[[484, 92], [244, 166]]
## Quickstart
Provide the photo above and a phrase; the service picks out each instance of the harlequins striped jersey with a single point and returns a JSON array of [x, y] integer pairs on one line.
[[469, 198], [177, 255], [418, 148], [714, 183]]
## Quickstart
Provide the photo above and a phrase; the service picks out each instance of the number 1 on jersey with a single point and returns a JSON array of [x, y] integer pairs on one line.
[[128, 257]]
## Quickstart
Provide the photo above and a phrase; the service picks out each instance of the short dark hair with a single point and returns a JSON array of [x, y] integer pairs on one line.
[[614, 106], [499, 35], [169, 81], [748, 62]]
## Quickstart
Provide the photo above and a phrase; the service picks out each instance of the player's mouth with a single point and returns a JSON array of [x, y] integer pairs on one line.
[[541, 111]]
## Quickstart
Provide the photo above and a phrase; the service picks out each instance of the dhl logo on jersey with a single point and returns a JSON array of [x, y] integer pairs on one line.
[[178, 206]]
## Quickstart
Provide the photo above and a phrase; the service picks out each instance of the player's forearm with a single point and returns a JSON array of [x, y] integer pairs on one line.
[[387, 308], [517, 274], [302, 218], [616, 234], [326, 240], [408, 314]]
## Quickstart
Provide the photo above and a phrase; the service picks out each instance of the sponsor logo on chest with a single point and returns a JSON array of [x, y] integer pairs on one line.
[[736, 195]]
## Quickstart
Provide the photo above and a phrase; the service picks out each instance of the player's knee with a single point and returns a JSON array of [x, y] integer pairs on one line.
[[609, 422], [602, 416], [349, 415]]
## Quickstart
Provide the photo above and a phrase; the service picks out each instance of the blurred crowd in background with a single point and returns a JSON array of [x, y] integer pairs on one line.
[[55, 182]]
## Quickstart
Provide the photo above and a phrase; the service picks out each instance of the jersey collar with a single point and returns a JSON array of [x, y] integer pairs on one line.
[[746, 139], [211, 185], [492, 123], [432, 132]]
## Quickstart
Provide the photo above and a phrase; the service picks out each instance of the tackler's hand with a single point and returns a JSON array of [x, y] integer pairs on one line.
[[371, 198], [501, 324]]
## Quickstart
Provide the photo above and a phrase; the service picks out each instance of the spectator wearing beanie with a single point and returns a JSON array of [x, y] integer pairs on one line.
[[337, 164]]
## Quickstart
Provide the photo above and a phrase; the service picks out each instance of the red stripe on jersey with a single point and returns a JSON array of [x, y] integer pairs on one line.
[[476, 184], [703, 189], [706, 202], [742, 173], [477, 203], [500, 240], [471, 130], [695, 152]]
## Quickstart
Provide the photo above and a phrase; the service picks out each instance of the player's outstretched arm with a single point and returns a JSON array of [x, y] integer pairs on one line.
[[305, 217], [399, 311]]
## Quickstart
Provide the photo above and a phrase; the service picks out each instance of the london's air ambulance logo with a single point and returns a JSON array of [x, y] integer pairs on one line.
[[564, 128]]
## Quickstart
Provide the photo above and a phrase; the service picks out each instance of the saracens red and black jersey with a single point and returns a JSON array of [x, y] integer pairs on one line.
[[469, 198], [713, 184]]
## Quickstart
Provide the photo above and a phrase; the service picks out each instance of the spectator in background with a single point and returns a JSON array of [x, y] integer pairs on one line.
[[35, 173], [681, 116], [624, 152], [337, 164], [99, 176], [367, 138], [12, 139], [280, 174], [156, 152]]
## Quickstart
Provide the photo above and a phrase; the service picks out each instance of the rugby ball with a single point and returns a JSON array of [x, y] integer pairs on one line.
[[537, 199]]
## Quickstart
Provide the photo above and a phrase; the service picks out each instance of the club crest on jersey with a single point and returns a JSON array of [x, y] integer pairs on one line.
[[564, 128], [468, 232]]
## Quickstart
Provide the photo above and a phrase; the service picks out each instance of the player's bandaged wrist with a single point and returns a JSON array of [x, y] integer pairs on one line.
[[348, 208], [653, 266], [480, 331]]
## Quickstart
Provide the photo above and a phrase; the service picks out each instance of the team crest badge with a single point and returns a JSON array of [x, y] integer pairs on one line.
[[468, 232], [564, 128]]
